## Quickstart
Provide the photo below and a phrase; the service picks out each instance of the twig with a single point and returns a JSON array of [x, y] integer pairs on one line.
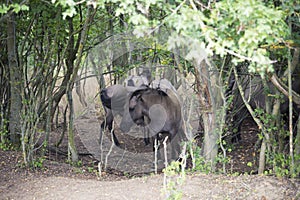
[[166, 162], [165, 151], [247, 58], [183, 156], [155, 154], [121, 158], [100, 169], [110, 149]]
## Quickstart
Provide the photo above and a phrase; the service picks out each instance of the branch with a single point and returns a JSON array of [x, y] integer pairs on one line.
[[284, 89], [281, 86], [247, 104], [247, 58], [294, 62]]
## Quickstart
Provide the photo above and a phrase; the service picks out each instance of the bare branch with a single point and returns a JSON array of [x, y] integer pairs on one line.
[[284, 89]]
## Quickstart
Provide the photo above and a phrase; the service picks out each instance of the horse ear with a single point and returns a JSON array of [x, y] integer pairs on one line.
[[133, 101]]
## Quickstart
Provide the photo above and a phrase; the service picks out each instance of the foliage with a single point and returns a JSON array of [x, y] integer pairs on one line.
[[222, 29], [281, 165], [267, 119], [174, 178], [5, 145], [277, 159], [76, 164], [201, 165], [68, 5], [15, 7], [249, 31], [4, 141], [38, 162]]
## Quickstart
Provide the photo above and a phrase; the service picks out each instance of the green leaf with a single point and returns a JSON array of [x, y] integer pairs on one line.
[[70, 12], [3, 9]]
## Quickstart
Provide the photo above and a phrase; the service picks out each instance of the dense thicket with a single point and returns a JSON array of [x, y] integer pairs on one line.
[[45, 46]]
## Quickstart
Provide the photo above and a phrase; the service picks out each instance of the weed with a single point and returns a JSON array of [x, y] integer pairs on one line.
[[38, 162], [174, 177], [5, 144]]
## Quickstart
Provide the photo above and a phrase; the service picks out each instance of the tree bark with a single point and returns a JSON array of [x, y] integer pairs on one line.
[[4, 91], [210, 98], [80, 91], [290, 97], [15, 75], [281, 86], [72, 152], [297, 148], [284, 89]]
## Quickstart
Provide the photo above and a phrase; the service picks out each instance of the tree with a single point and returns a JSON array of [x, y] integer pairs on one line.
[[221, 29], [47, 47], [15, 78]]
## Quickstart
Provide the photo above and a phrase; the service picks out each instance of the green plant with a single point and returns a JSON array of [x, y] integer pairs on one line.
[[174, 177], [126, 174], [75, 164], [91, 169], [5, 144], [278, 160], [38, 162], [281, 165], [235, 174], [78, 170], [221, 159], [172, 169], [201, 164]]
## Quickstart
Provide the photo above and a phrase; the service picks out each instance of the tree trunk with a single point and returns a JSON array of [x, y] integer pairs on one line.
[[297, 148], [209, 94], [72, 152], [15, 75], [97, 69], [120, 53], [262, 157], [80, 91], [291, 141], [4, 92]]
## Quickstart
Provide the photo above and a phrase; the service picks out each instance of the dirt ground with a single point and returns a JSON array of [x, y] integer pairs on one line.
[[57, 179]]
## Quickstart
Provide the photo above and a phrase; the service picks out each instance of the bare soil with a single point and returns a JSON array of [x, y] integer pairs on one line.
[[127, 174]]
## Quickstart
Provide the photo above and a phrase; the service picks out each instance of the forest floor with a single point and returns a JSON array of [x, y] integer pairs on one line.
[[54, 178]]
